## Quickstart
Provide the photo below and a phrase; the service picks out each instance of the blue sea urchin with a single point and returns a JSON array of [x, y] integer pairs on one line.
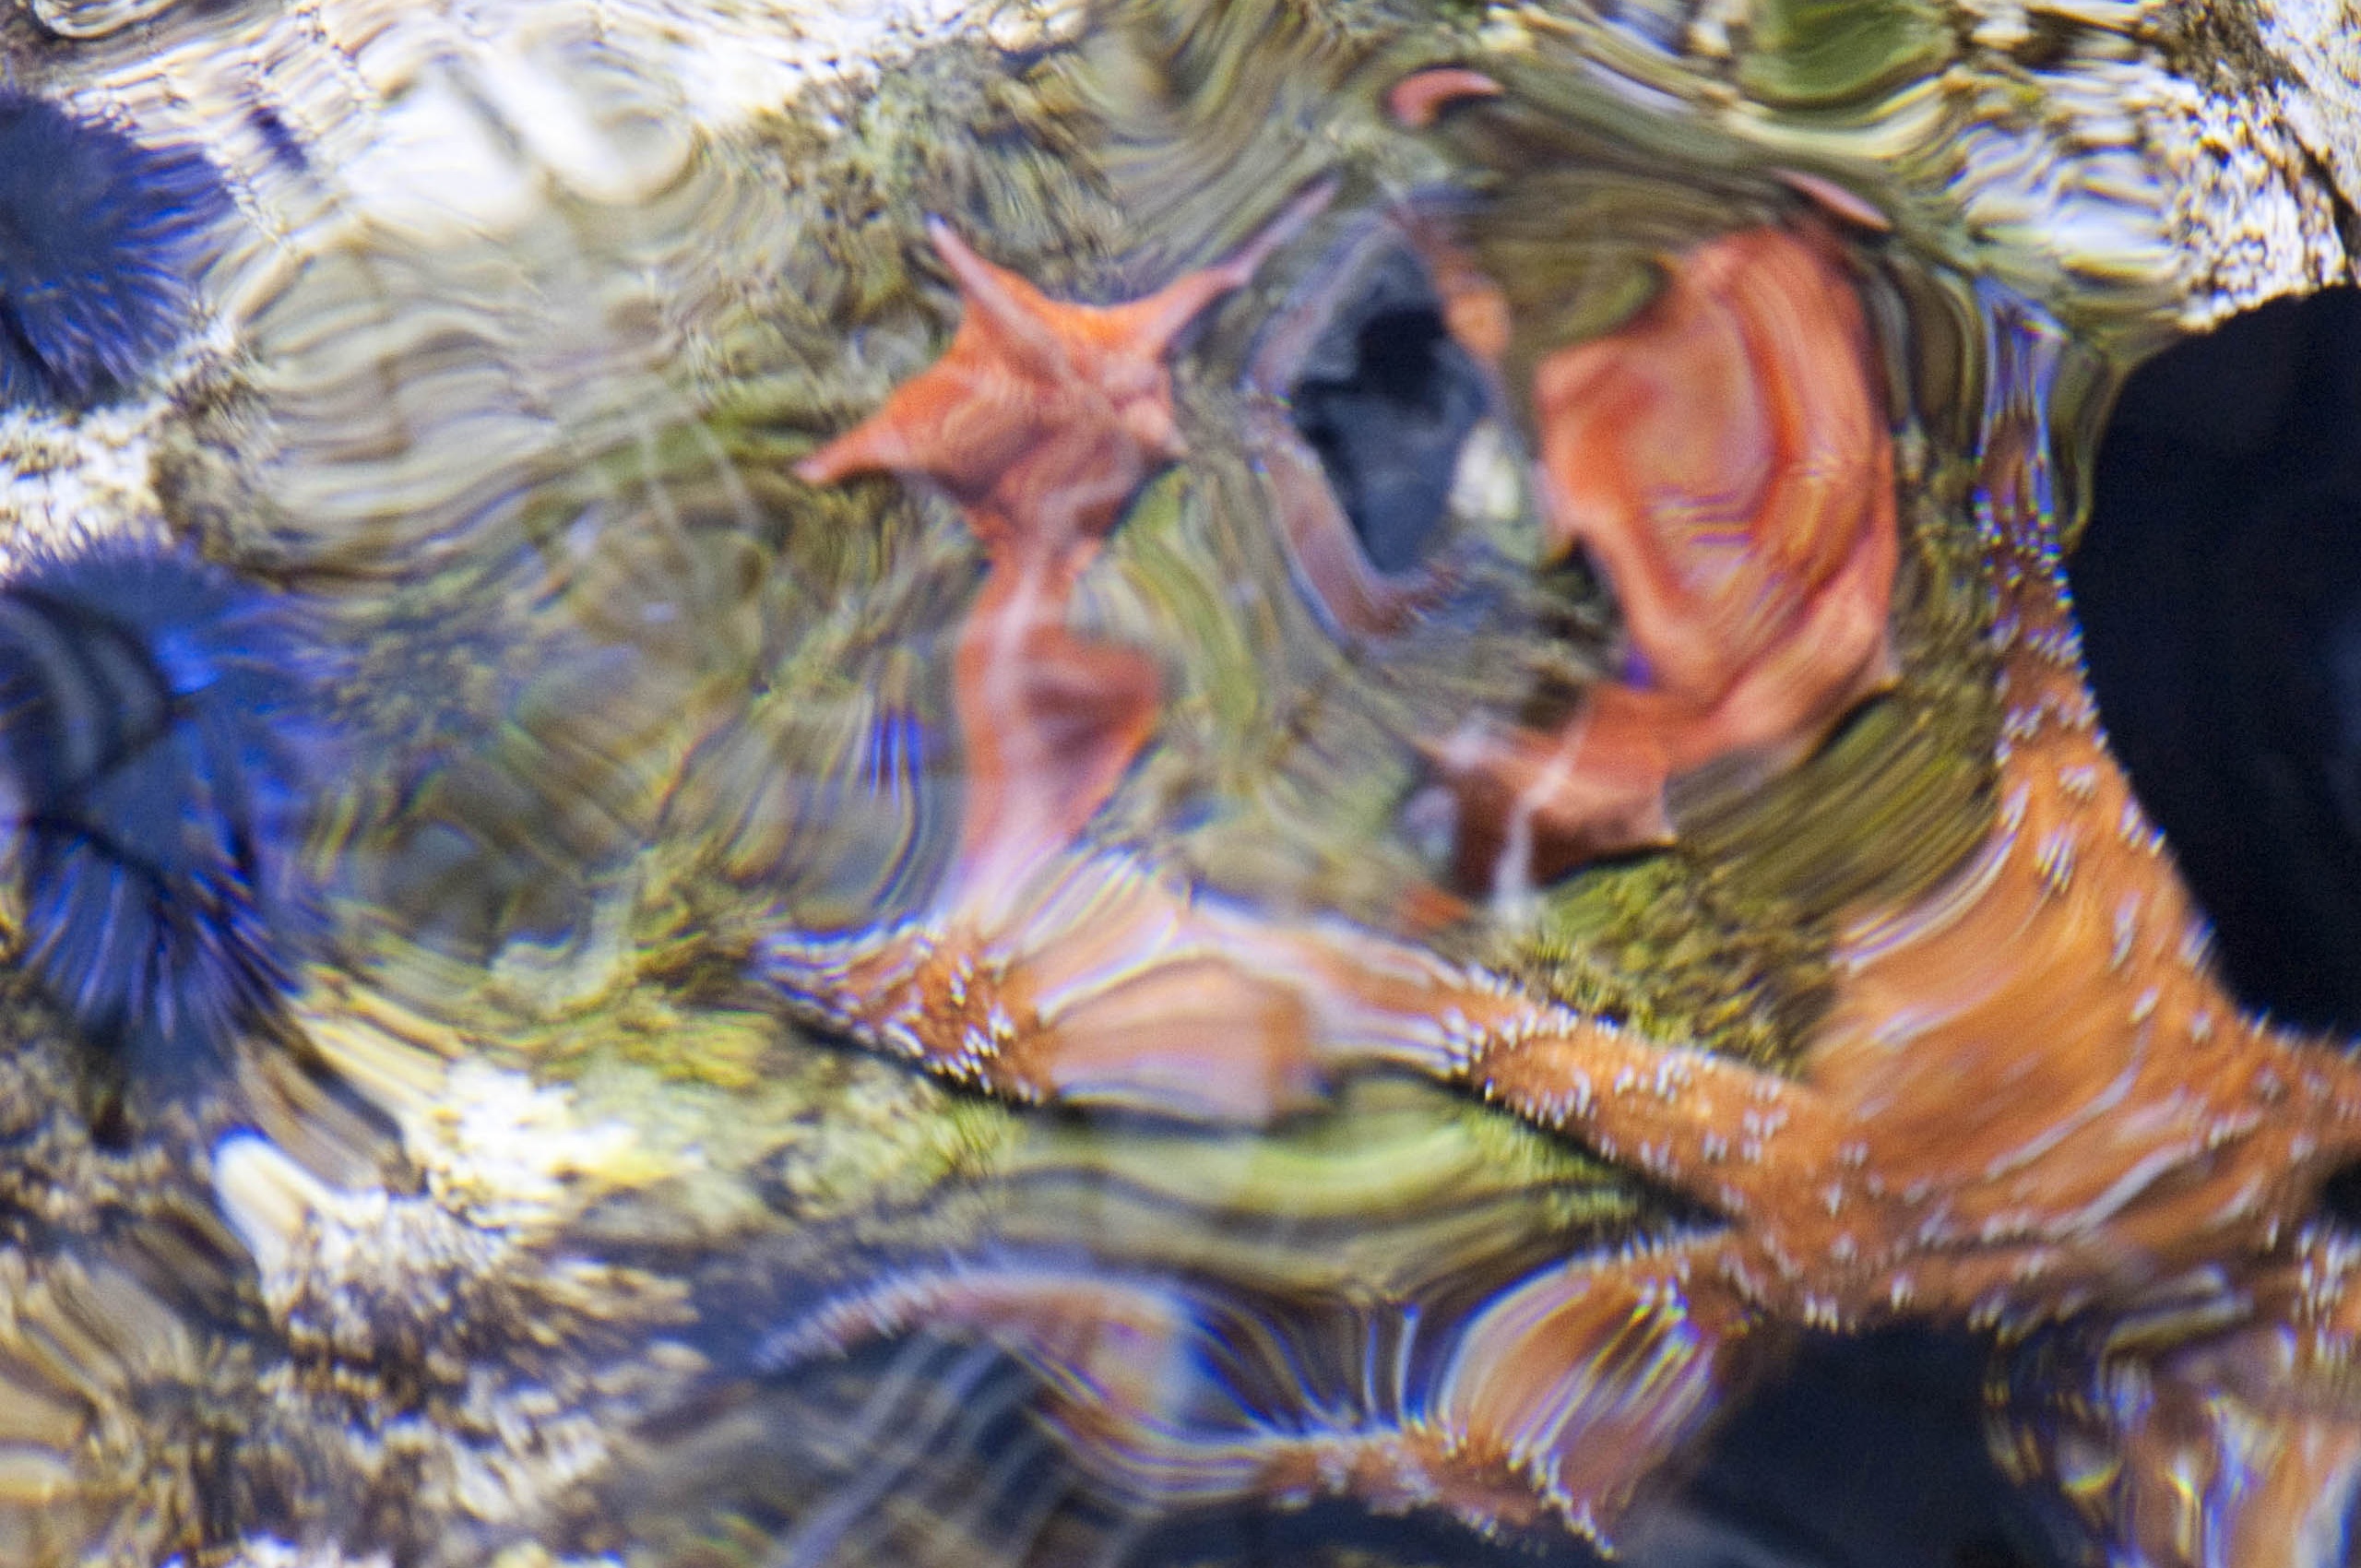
[[154, 733], [97, 234]]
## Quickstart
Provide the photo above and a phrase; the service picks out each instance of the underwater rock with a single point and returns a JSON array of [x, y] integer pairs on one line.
[[81, 20], [109, 1396]]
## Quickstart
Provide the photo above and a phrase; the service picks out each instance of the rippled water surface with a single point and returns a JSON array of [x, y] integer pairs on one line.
[[1185, 783]]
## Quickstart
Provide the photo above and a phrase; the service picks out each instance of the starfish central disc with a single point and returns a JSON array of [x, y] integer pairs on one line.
[[1043, 416]]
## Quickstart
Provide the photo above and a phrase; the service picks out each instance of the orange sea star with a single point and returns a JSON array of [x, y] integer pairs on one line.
[[1039, 421], [1725, 460], [2030, 1101]]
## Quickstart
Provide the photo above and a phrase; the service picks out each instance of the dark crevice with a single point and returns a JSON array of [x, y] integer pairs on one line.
[[1866, 1452], [2219, 589], [2341, 1197], [1385, 399]]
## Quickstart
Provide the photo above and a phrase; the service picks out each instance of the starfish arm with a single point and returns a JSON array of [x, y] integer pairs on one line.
[[1533, 804], [1419, 99], [1147, 327], [1787, 701], [872, 446], [1095, 978], [1724, 456], [1584, 1378], [2237, 1449], [1723, 459], [1746, 1143], [1077, 711], [1021, 323], [1088, 979], [967, 422], [1054, 721], [1551, 1403]]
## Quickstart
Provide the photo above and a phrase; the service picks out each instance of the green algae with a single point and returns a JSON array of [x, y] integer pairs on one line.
[[1805, 54]]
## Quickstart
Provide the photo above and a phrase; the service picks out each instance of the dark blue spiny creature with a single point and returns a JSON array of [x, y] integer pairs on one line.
[[157, 734], [98, 235]]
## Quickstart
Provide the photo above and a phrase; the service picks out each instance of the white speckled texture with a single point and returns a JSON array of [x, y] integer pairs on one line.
[[440, 122]]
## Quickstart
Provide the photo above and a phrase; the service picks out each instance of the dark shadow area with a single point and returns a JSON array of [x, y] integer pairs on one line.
[[2218, 590], [1868, 1453], [1385, 399]]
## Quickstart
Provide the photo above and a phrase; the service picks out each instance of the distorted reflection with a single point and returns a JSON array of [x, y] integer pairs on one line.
[[1158, 783]]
